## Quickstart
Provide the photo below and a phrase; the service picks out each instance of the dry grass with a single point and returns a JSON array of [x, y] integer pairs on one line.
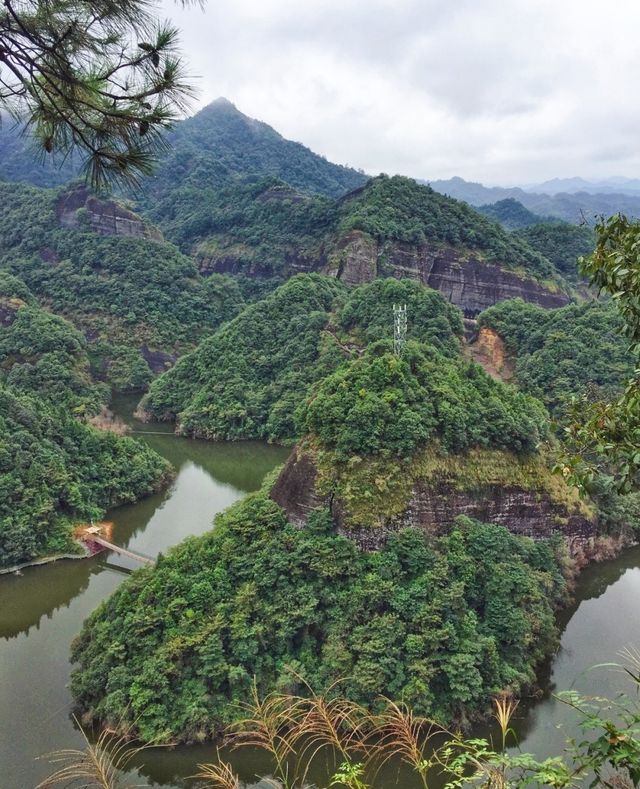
[[219, 776], [108, 422], [398, 733], [96, 766]]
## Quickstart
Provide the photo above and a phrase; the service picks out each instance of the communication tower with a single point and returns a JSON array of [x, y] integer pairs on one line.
[[399, 328]]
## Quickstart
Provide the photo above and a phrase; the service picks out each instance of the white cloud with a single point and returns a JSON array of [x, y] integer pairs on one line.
[[501, 91]]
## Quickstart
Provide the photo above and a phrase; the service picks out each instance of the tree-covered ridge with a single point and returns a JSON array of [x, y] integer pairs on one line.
[[561, 243], [400, 209], [442, 624], [509, 213], [260, 224], [267, 228], [222, 142], [130, 296], [42, 353], [247, 380], [54, 468], [564, 352], [382, 404]]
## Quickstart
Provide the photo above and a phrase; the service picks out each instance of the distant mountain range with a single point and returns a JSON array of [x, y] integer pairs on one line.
[[615, 185], [572, 207]]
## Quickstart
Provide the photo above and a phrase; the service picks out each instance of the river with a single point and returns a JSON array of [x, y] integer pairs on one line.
[[42, 610]]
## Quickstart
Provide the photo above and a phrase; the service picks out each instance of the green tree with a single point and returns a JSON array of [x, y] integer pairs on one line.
[[605, 436], [99, 76]]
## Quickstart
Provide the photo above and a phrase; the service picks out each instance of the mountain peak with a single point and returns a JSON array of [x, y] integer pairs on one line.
[[221, 103]]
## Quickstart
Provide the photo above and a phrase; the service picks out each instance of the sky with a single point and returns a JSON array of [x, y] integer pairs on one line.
[[497, 91]]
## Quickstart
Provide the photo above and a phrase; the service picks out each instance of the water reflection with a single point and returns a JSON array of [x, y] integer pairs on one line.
[[42, 610]]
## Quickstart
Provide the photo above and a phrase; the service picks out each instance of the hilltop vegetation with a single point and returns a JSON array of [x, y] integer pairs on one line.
[[130, 295], [247, 379], [562, 244], [509, 213], [263, 226], [223, 142], [379, 404], [563, 352], [54, 468], [442, 624]]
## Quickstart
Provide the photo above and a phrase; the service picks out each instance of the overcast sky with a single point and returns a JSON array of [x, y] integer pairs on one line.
[[499, 91]]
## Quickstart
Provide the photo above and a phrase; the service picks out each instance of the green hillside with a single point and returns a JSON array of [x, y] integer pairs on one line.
[[55, 469], [247, 379], [222, 142], [441, 624], [509, 213], [138, 300], [561, 243], [564, 352], [267, 228]]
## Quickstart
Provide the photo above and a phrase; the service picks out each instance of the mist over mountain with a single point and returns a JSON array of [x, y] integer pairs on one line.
[[614, 185], [572, 207]]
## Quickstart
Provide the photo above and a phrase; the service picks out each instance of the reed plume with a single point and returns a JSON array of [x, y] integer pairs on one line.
[[97, 765]]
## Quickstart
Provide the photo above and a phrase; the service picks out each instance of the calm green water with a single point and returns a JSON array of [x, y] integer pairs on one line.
[[41, 612]]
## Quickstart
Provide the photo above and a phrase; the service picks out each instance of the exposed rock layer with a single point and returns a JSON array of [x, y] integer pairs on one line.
[[467, 281], [433, 508], [355, 258], [104, 217]]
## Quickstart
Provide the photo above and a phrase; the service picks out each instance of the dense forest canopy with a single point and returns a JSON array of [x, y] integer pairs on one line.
[[561, 243], [247, 380], [380, 404], [221, 139], [442, 624], [509, 213], [54, 468], [264, 225], [131, 296], [560, 353]]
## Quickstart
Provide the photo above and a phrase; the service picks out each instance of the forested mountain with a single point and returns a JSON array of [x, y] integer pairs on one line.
[[220, 144], [248, 379], [509, 213], [55, 469], [217, 145], [139, 300], [562, 243], [569, 207], [564, 352], [243, 200], [422, 618], [267, 226], [390, 226]]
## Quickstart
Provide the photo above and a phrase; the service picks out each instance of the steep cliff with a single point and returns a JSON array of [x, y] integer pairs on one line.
[[105, 217], [494, 487], [391, 227], [464, 278]]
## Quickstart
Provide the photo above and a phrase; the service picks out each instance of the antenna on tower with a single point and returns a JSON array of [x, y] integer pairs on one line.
[[399, 328]]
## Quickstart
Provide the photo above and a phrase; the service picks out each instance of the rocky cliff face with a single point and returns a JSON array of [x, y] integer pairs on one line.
[[79, 206], [468, 282], [9, 310], [356, 258], [487, 348], [433, 508]]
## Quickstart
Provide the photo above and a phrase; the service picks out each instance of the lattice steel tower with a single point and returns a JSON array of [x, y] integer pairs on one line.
[[399, 328]]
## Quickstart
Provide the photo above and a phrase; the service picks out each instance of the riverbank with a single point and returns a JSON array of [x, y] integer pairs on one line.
[[42, 560]]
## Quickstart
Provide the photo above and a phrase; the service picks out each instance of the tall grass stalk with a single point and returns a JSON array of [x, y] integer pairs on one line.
[[96, 766]]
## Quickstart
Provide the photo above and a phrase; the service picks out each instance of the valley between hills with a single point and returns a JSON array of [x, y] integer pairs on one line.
[[407, 533]]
